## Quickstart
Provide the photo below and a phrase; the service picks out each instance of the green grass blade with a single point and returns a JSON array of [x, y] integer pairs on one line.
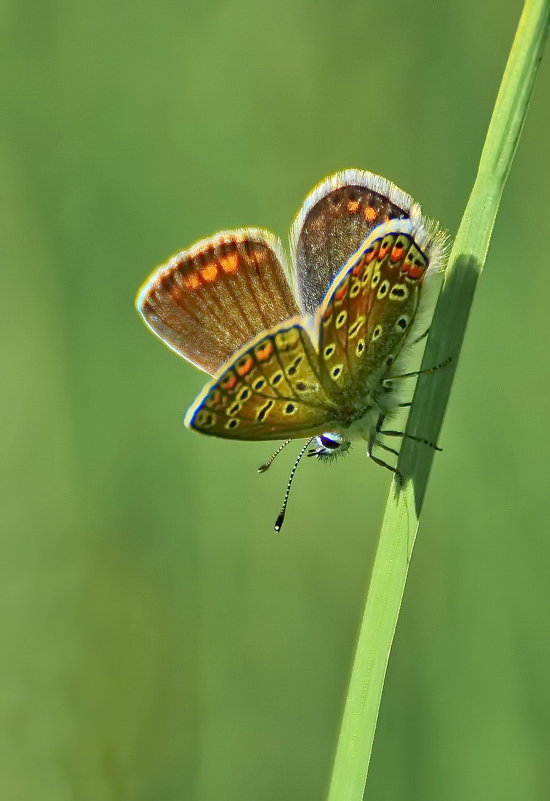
[[400, 522]]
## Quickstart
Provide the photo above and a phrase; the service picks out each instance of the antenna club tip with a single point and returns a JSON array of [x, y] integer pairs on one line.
[[279, 523], [263, 467]]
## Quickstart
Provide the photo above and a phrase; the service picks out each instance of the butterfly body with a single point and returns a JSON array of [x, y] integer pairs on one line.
[[308, 351]]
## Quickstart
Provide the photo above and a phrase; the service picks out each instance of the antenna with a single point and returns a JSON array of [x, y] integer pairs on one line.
[[266, 465], [280, 520]]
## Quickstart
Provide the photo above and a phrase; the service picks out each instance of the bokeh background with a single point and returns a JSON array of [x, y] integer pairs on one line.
[[158, 640]]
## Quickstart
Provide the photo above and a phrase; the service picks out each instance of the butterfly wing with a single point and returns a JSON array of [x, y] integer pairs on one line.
[[371, 308], [335, 219], [208, 301], [271, 389]]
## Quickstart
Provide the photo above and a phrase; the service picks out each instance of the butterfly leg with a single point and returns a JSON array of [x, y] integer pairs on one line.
[[417, 372], [391, 433], [386, 381], [374, 441], [410, 436], [421, 337], [382, 463], [380, 444]]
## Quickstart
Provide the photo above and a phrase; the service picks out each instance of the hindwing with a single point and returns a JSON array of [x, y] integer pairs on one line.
[[366, 316], [335, 218]]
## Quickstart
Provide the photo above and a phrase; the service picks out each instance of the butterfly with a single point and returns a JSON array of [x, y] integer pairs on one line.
[[306, 348]]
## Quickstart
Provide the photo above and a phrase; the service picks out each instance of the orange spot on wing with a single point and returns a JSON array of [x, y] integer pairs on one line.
[[415, 272], [356, 269], [353, 206], [263, 353], [370, 214], [209, 273], [341, 292], [230, 263], [246, 366], [216, 398], [229, 382], [192, 281], [396, 254], [371, 254]]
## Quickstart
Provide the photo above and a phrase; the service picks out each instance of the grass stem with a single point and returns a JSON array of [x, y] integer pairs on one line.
[[403, 508]]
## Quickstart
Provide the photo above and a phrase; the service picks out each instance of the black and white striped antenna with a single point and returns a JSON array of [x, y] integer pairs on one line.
[[266, 465], [280, 519]]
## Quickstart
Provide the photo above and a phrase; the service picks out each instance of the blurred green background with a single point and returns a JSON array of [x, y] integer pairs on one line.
[[158, 641]]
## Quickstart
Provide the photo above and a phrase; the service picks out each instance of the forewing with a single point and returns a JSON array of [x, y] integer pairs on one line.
[[270, 389], [335, 219], [368, 312], [206, 302]]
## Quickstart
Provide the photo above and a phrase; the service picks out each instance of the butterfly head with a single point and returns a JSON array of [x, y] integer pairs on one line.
[[329, 446]]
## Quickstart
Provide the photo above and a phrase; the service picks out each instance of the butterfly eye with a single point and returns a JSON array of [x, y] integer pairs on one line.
[[328, 442], [329, 445]]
